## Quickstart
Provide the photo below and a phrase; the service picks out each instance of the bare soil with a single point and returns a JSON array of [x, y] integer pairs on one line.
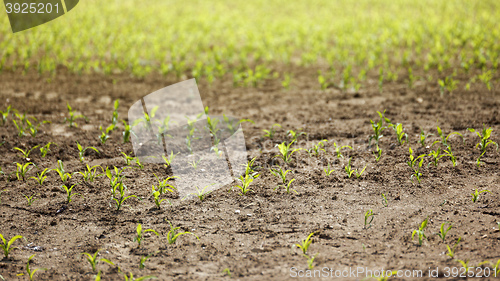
[[252, 235]]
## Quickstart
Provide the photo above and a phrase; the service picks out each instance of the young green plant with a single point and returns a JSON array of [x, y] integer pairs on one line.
[[25, 154], [338, 149], [28, 269], [173, 235], [22, 170], [369, 216], [350, 171], [420, 232], [71, 119], [304, 244], [30, 199], [280, 173], [451, 250], [317, 148], [41, 177], [81, 151], [484, 138], [92, 259], [286, 152], [7, 246], [69, 192], [475, 194], [45, 149], [200, 193], [271, 132], [140, 234], [442, 231]]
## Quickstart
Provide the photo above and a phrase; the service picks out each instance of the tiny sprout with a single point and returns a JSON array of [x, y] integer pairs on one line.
[[484, 138], [451, 251], [475, 195], [442, 232], [72, 117], [94, 261], [127, 158], [310, 261], [420, 232], [69, 192], [30, 199], [286, 152], [227, 271], [444, 138], [143, 261], [105, 133], [398, 129], [126, 133], [351, 171], [270, 133], [172, 235], [339, 148], [132, 278], [295, 135], [369, 216], [317, 148], [384, 200], [156, 195], [304, 244], [81, 151], [140, 234], [41, 176], [200, 193], [245, 183], [25, 154], [328, 170], [423, 137], [45, 149], [465, 264], [195, 163], [377, 153], [282, 175], [22, 170], [28, 269], [170, 159], [7, 246]]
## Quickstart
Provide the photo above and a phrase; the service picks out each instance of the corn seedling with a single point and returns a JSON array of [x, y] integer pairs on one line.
[[378, 128], [116, 178], [28, 269], [245, 183], [126, 132], [444, 138], [451, 250], [420, 232], [119, 202], [442, 232], [398, 129], [7, 246], [369, 216], [415, 164], [140, 233], [33, 128], [295, 135], [484, 138], [25, 154], [156, 196], [350, 171], [338, 149], [170, 159], [22, 170], [286, 152], [475, 194], [200, 193], [45, 149], [90, 174], [5, 115], [448, 84], [384, 200], [30, 199], [310, 261], [41, 177], [478, 160], [139, 164], [423, 137], [227, 272], [315, 150], [61, 172], [105, 133], [270, 133], [127, 158], [81, 151], [304, 244], [486, 77], [328, 170], [143, 261], [453, 159], [69, 192], [377, 153], [436, 155], [249, 168], [92, 259], [282, 175], [172, 235], [71, 119], [465, 264], [195, 163], [164, 186]]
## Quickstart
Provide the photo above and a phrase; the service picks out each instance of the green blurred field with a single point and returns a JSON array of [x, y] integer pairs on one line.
[[209, 39]]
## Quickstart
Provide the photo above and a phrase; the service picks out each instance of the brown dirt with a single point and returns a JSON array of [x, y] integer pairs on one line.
[[255, 244]]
